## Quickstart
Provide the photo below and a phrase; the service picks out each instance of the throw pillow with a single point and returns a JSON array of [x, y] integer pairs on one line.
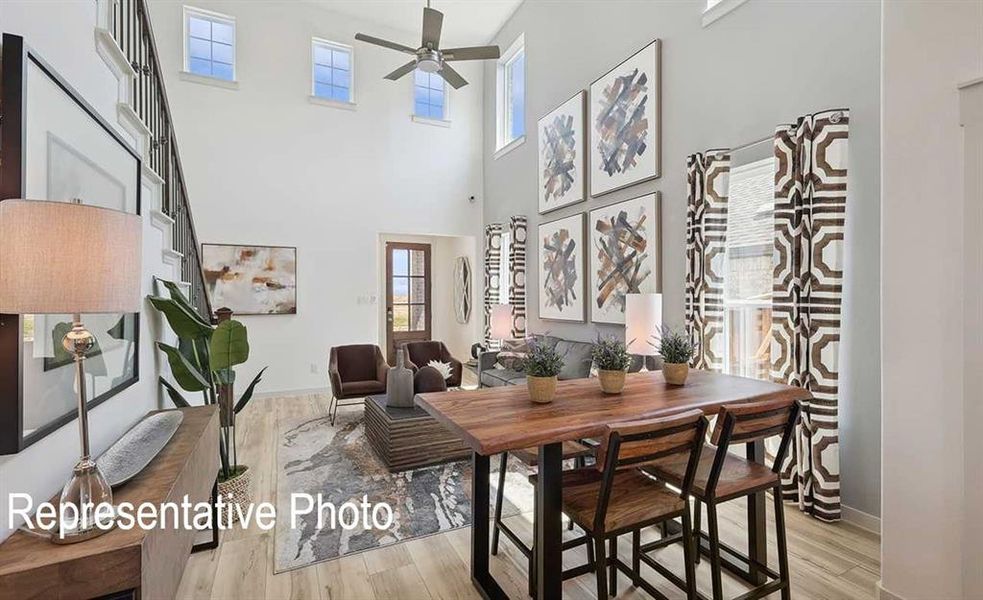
[[443, 368], [512, 354]]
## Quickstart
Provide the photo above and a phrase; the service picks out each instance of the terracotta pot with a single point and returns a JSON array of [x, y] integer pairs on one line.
[[675, 373], [612, 382], [541, 389], [237, 492]]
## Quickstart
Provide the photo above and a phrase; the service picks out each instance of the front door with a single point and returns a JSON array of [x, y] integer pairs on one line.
[[407, 295]]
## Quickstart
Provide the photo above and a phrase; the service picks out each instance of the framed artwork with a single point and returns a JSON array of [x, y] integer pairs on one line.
[[625, 255], [625, 123], [561, 155], [57, 147], [561, 269], [251, 280]]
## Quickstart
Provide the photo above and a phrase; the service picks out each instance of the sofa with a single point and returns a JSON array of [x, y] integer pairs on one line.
[[577, 363]]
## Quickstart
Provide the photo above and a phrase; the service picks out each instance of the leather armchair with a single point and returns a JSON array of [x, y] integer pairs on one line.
[[355, 371], [419, 354]]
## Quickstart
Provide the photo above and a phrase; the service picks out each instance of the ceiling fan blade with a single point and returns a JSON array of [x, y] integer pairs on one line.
[[433, 20], [452, 77], [407, 68], [384, 43], [472, 53]]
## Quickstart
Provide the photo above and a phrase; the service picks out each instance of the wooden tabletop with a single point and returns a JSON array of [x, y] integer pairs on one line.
[[492, 420]]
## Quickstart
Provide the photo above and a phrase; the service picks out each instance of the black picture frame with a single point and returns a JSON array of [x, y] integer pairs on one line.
[[16, 59]]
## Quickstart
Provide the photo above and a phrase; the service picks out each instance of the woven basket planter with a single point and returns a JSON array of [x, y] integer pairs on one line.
[[237, 491]]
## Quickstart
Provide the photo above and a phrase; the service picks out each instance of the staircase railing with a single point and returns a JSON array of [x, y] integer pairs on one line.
[[133, 34]]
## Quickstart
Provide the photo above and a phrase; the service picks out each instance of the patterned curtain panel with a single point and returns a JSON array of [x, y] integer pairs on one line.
[[707, 178], [810, 205], [493, 276], [517, 275]]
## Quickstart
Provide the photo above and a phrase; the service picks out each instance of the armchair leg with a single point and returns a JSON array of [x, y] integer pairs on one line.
[[333, 409]]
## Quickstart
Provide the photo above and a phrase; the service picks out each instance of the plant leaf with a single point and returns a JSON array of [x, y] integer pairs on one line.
[[248, 394], [185, 373], [174, 290], [229, 345], [185, 323], [175, 395]]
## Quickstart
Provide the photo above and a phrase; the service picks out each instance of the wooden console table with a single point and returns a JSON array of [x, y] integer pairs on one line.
[[134, 563], [407, 438]]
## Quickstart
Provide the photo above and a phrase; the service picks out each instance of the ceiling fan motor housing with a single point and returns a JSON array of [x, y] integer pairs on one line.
[[428, 61]]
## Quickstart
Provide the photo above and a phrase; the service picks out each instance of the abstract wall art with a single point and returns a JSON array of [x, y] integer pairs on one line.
[[625, 123], [561, 155], [462, 289], [561, 269], [251, 280], [625, 256]]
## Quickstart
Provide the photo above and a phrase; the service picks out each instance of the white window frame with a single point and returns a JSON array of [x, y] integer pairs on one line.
[[314, 98], [213, 16], [503, 107], [446, 121], [716, 9]]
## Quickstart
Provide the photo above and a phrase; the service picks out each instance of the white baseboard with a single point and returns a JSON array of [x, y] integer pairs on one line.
[[883, 594], [860, 519], [301, 392]]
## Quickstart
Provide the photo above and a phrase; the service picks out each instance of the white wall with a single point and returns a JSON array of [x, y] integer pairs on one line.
[[722, 86], [928, 49], [63, 33], [266, 166]]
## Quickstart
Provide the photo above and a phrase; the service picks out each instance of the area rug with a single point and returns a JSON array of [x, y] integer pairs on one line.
[[337, 462]]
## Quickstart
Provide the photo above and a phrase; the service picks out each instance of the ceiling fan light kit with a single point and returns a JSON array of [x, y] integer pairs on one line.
[[429, 58]]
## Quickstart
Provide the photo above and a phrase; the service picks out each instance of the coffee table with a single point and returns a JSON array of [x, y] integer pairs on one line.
[[408, 438]]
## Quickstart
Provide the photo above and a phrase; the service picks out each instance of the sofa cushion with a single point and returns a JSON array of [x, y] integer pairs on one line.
[[500, 377], [512, 354], [363, 388], [576, 357]]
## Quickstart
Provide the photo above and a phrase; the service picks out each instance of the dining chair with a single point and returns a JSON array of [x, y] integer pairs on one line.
[[722, 476], [615, 496]]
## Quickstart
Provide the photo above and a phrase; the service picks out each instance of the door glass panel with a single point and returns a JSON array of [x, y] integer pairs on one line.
[[418, 290], [401, 318], [400, 290], [401, 258], [417, 263], [418, 317]]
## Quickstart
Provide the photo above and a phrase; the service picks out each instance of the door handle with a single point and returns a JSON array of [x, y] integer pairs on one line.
[[389, 315]]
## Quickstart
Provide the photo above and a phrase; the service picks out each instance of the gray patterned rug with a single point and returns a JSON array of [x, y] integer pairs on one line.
[[337, 462]]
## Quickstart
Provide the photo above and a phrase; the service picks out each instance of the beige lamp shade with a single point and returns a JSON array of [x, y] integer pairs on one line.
[[501, 322], [65, 258], [643, 319]]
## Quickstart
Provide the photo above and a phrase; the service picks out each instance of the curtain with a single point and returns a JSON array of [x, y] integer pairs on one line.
[[493, 279], [810, 206], [707, 177], [517, 275]]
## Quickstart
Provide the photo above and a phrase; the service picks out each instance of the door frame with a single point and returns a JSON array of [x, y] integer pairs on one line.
[[427, 333]]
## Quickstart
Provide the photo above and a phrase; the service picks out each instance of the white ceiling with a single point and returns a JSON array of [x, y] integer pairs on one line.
[[466, 22]]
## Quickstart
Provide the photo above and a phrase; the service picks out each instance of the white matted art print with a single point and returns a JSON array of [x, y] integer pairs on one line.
[[561, 155], [625, 256], [561, 269], [625, 108], [251, 280]]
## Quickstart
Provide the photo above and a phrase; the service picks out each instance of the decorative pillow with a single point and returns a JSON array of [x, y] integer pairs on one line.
[[512, 354], [441, 367]]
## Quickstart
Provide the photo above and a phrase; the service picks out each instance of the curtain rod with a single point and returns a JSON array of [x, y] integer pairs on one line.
[[834, 118]]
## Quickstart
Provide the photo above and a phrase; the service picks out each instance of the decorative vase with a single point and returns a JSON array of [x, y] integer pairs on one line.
[[612, 382], [236, 492], [399, 384], [541, 389], [675, 373]]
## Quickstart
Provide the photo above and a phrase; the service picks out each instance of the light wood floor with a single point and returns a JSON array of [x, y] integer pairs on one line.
[[826, 561]]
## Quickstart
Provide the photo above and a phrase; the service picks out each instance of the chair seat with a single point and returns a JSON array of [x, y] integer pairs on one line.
[[571, 449], [636, 500], [738, 477], [354, 389]]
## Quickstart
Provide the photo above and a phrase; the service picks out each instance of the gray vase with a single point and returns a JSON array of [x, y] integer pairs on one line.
[[399, 384]]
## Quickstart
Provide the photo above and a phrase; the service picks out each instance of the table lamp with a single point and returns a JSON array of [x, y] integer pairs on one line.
[[643, 320], [500, 323], [69, 258]]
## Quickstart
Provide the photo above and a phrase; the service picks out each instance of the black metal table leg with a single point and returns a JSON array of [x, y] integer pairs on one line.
[[480, 575], [757, 537], [549, 525]]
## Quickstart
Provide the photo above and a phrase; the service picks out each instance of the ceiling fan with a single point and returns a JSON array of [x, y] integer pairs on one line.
[[429, 57]]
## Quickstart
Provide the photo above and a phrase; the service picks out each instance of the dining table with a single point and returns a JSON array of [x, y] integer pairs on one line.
[[504, 419]]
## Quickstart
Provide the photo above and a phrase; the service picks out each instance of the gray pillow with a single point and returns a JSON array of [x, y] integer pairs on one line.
[[577, 359]]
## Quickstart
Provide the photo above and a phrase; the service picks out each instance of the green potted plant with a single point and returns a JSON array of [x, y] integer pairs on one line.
[[676, 350], [204, 361], [542, 365], [612, 360]]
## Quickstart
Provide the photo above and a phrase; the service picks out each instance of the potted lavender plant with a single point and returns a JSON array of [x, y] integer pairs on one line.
[[542, 365], [676, 350], [612, 360]]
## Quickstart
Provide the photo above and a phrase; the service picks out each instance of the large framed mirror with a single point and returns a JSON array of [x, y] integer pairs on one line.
[[55, 146]]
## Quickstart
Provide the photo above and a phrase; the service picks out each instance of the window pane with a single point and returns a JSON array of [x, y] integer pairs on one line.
[[401, 261], [436, 112], [199, 48], [417, 262], [322, 55], [421, 109], [418, 317], [322, 74], [341, 94], [222, 71], [200, 66], [340, 59], [437, 98], [401, 290], [421, 77], [222, 32], [517, 79], [340, 78], [222, 53], [421, 94], [322, 90], [401, 318], [437, 83], [418, 289], [199, 27]]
